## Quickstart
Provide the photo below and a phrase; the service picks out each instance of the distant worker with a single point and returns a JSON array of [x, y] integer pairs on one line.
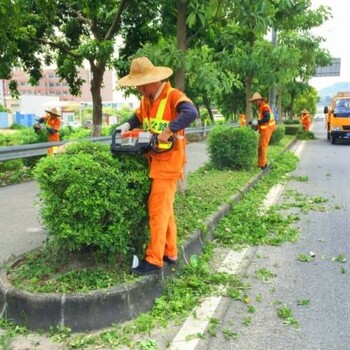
[[53, 122], [266, 126], [242, 120], [305, 119]]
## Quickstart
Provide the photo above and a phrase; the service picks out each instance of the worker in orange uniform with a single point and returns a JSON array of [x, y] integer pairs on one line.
[[266, 126], [53, 122], [305, 119], [242, 120], [164, 111]]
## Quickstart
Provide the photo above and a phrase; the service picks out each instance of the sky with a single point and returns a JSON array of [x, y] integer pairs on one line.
[[337, 35]]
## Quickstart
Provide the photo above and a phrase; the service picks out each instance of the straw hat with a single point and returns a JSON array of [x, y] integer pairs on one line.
[[256, 96], [53, 111], [304, 111], [142, 72]]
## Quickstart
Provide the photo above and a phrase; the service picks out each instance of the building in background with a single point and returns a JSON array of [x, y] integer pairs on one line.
[[51, 85], [52, 92], [2, 92]]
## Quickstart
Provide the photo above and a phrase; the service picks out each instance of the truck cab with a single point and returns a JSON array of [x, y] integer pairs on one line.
[[337, 117]]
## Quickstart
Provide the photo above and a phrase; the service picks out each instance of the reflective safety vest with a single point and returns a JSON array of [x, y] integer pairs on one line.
[[55, 123], [155, 116], [157, 124], [271, 123]]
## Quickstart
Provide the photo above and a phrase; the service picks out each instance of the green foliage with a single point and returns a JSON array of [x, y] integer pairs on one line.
[[23, 136], [65, 132], [90, 199], [16, 126], [231, 147], [277, 135], [292, 129], [69, 133], [305, 135], [13, 171], [18, 170], [291, 122], [124, 114], [307, 99], [3, 109]]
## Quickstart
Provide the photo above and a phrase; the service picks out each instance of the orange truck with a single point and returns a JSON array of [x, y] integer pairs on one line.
[[337, 117]]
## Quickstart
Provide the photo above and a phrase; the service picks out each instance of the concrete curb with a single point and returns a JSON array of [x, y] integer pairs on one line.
[[99, 309]]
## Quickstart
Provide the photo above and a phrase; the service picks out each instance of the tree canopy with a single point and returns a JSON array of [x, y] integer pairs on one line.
[[223, 55]]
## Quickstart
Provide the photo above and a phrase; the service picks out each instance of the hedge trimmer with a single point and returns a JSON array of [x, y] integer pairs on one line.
[[138, 142]]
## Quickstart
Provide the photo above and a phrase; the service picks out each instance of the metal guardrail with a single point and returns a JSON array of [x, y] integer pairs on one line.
[[40, 149]]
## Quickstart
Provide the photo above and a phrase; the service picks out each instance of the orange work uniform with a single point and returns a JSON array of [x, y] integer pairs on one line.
[[265, 132], [165, 169], [242, 120], [305, 121], [52, 122]]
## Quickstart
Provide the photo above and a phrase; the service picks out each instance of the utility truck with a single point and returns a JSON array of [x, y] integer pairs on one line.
[[337, 117]]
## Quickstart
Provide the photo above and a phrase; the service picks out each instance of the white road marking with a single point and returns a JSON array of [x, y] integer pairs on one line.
[[196, 324]]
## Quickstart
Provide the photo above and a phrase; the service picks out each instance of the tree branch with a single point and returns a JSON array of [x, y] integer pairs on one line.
[[83, 19], [57, 46], [90, 23], [116, 20]]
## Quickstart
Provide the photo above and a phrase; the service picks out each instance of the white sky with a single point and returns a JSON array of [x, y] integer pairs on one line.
[[336, 32]]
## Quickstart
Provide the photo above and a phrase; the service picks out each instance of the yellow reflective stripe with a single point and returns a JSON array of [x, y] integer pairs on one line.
[[158, 124], [161, 107], [145, 124]]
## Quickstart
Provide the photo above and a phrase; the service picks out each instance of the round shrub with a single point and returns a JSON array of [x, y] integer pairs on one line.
[[232, 147], [291, 121], [305, 135], [292, 129], [91, 200], [277, 135]]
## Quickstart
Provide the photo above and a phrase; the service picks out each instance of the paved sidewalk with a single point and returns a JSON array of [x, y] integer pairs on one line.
[[20, 227]]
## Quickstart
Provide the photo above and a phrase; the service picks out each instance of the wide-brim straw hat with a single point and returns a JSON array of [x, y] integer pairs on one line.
[[53, 111], [304, 111], [256, 96], [142, 71]]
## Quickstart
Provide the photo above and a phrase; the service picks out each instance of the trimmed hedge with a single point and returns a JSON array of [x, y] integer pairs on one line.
[[277, 135], [90, 200], [292, 129], [232, 147]]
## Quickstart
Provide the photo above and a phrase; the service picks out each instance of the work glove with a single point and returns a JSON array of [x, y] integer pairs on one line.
[[253, 124], [123, 128]]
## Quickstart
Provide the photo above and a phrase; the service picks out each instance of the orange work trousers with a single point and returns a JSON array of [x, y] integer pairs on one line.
[[264, 139], [306, 125], [162, 224], [53, 138]]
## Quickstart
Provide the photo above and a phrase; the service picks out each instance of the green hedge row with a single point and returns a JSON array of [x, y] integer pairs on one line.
[[91, 200], [236, 148]]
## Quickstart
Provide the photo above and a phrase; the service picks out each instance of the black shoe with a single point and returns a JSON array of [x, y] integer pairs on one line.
[[265, 168], [146, 268], [169, 261]]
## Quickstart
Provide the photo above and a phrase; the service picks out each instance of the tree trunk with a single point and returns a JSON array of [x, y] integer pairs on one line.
[[210, 112], [181, 42], [96, 84], [180, 73], [279, 103], [248, 95], [292, 99]]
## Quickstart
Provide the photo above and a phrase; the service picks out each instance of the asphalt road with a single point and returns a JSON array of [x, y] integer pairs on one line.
[[20, 227], [321, 285]]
